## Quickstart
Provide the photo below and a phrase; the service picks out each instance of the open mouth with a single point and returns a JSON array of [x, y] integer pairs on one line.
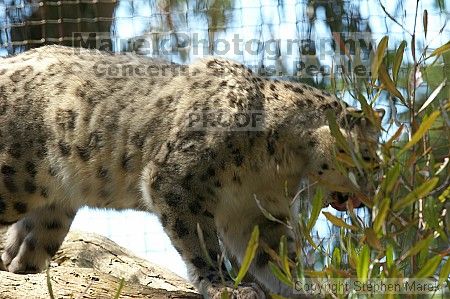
[[340, 201]]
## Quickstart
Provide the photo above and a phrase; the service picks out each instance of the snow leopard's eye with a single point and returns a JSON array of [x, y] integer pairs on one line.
[[355, 117]]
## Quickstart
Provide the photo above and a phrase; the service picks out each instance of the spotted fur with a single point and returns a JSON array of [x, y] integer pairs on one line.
[[71, 136]]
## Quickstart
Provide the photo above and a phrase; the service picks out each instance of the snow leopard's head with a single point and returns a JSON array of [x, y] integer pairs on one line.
[[347, 162]]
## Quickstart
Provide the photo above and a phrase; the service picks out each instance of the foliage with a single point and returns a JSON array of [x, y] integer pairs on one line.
[[406, 236]]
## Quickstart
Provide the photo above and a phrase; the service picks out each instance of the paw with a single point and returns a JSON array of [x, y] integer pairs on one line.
[[244, 291], [22, 252]]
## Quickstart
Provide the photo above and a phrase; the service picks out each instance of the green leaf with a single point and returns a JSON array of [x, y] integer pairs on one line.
[[394, 137], [445, 195], [275, 296], [418, 247], [311, 242], [391, 178], [388, 84], [283, 252], [416, 194], [389, 256], [362, 269], [398, 60], [119, 289], [299, 270], [316, 207], [445, 272], [336, 132], [337, 257], [432, 96], [338, 221], [224, 294], [441, 50], [267, 213], [249, 255], [365, 107], [353, 257], [424, 127], [378, 59], [372, 238], [422, 257], [203, 246], [383, 210], [279, 274], [49, 284], [425, 22], [430, 266]]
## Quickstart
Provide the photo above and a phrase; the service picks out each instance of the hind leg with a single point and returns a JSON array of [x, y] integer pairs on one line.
[[34, 239]]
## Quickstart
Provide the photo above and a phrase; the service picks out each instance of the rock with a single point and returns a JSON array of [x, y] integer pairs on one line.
[[92, 266]]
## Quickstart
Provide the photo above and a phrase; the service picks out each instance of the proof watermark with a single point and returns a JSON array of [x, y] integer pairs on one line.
[[346, 286], [225, 120]]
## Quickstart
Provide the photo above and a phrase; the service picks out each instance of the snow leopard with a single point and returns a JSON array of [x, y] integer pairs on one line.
[[194, 144]]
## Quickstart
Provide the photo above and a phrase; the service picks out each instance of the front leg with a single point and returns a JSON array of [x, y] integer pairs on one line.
[[236, 239], [34, 239], [181, 211]]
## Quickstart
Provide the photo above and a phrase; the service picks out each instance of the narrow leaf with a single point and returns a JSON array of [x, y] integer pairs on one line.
[[398, 60], [425, 22], [391, 178], [432, 96], [336, 132], [353, 257], [416, 194], [225, 294], [443, 166], [345, 159], [372, 239], [441, 49], [201, 238], [265, 212], [49, 284], [119, 289], [382, 213], [337, 257], [316, 207], [283, 252], [311, 242], [445, 272], [445, 195], [362, 269], [279, 274], [379, 55], [388, 84], [426, 124], [249, 255], [389, 256], [430, 266], [394, 137], [365, 107], [418, 247], [338, 221]]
